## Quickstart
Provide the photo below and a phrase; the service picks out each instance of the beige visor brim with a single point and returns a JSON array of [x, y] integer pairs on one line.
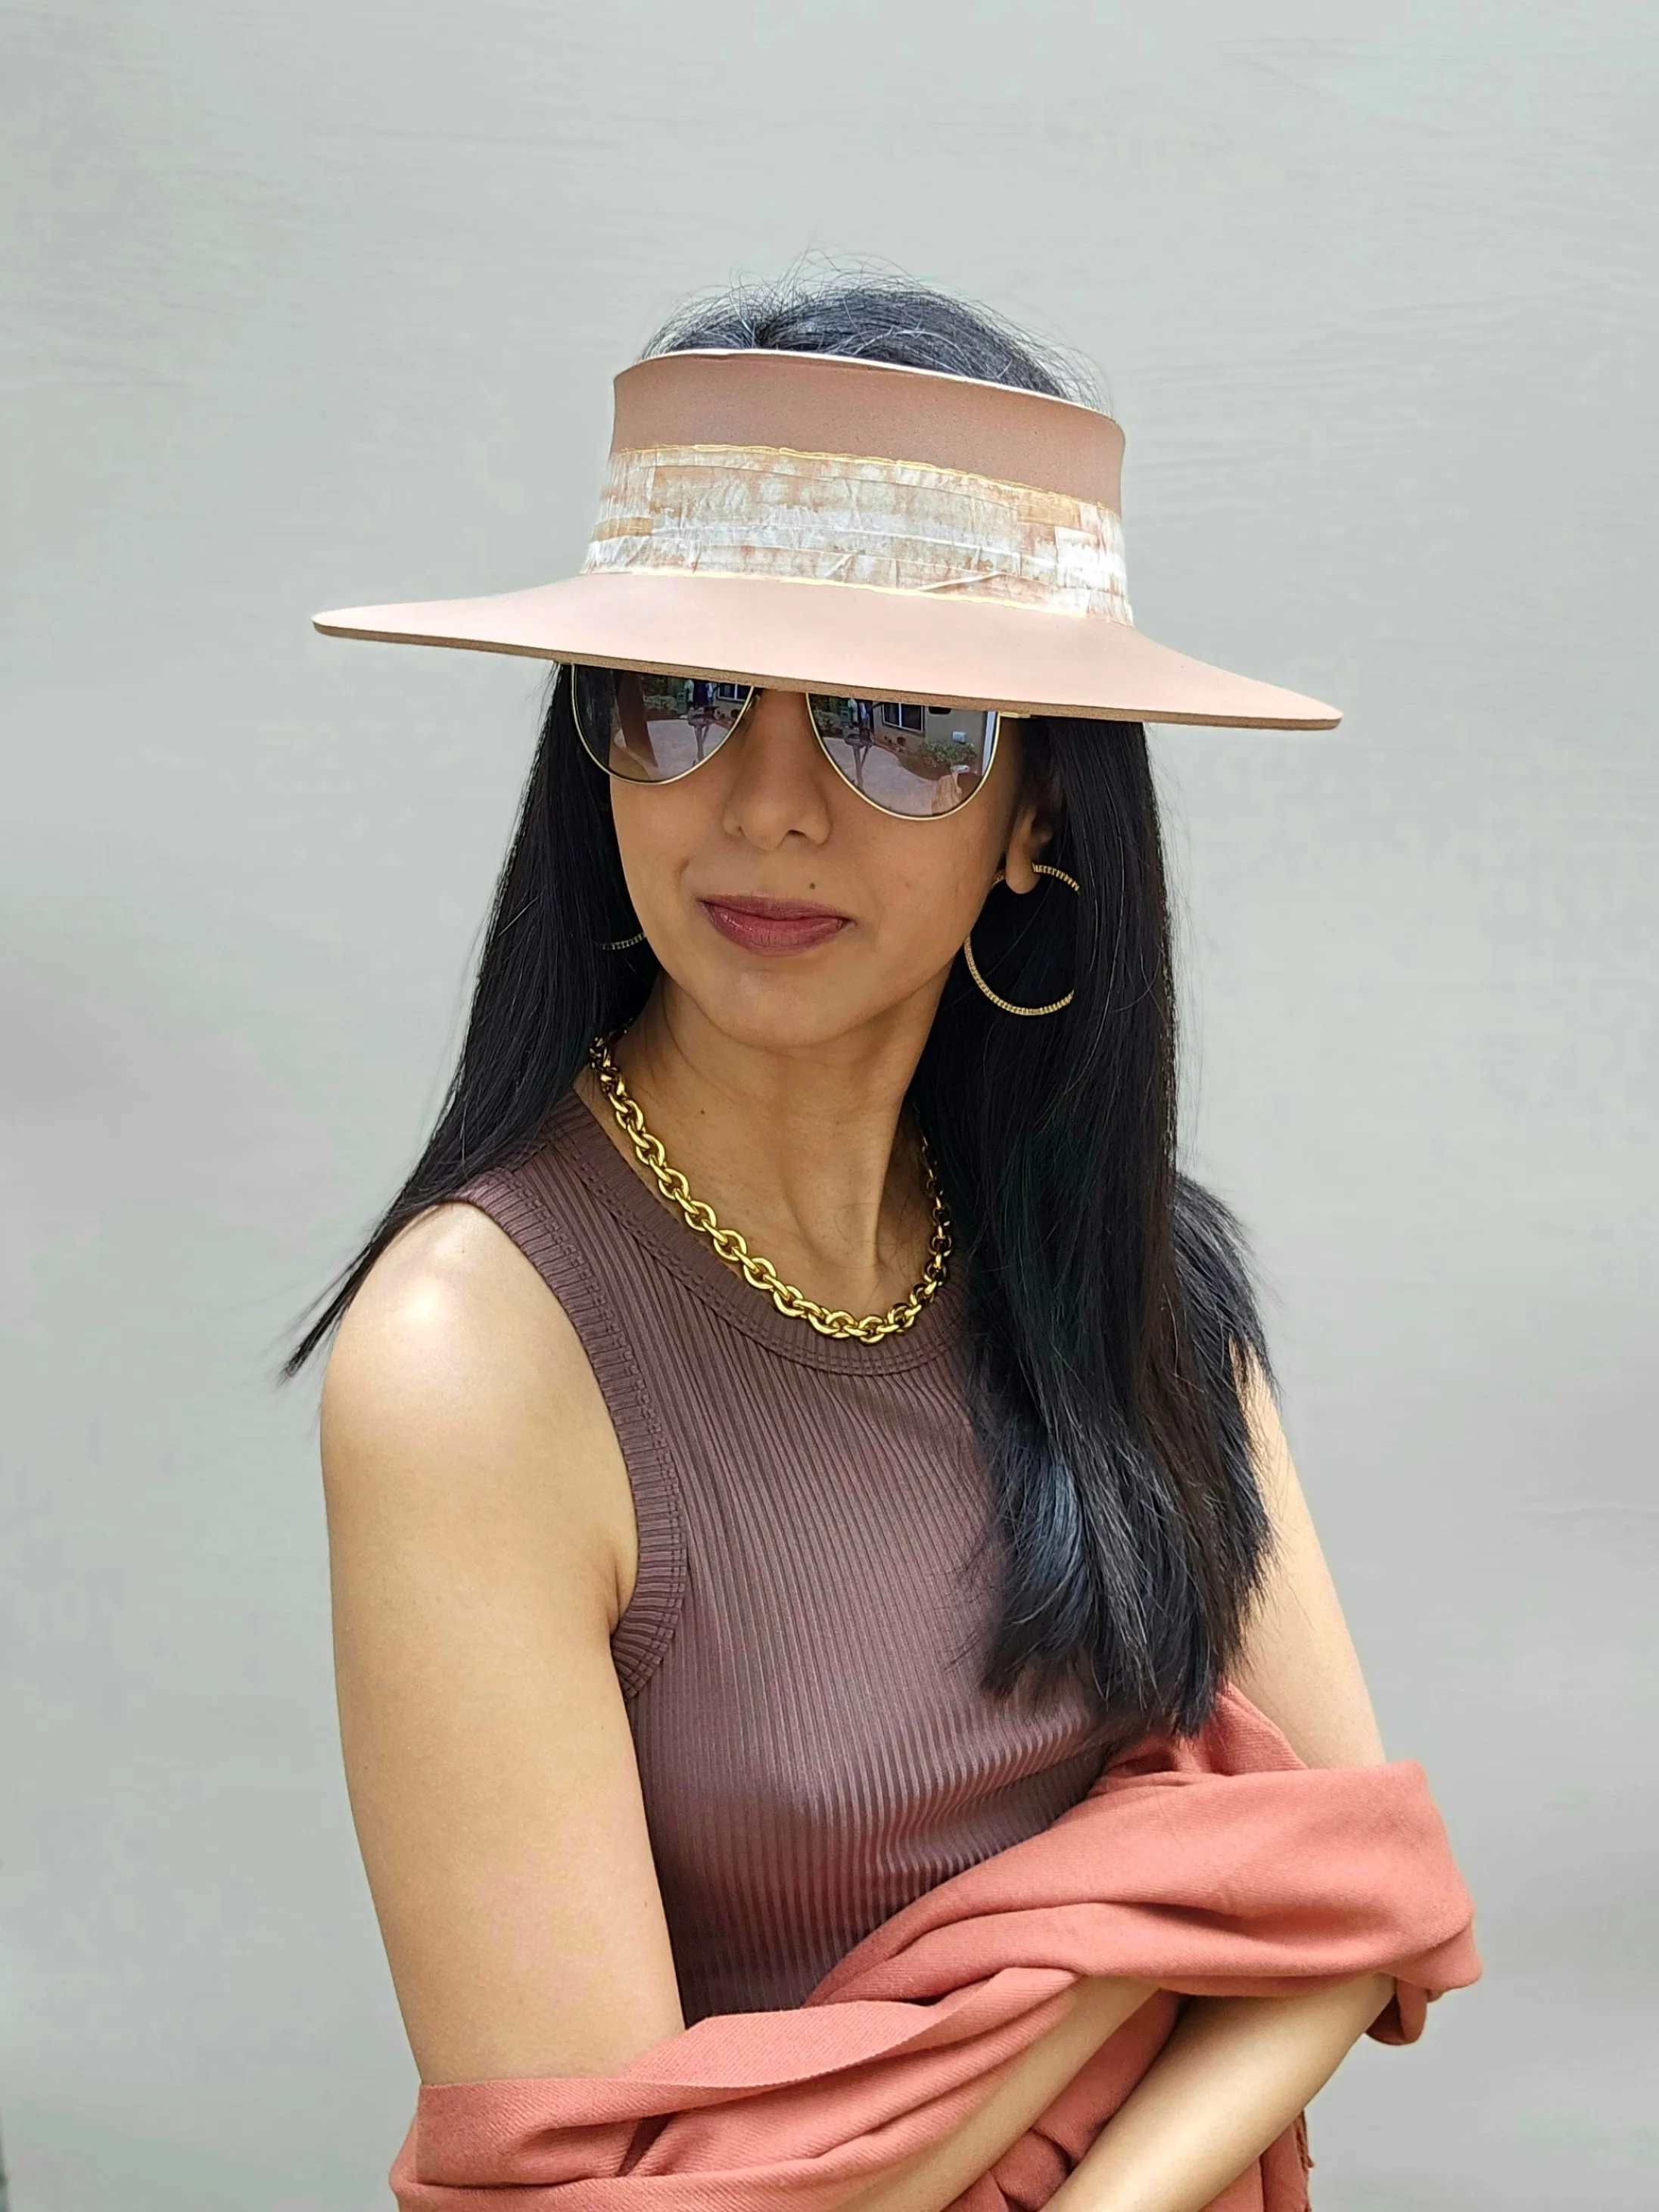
[[800, 635]]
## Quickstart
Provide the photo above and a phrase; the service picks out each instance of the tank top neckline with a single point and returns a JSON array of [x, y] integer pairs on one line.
[[573, 1130]]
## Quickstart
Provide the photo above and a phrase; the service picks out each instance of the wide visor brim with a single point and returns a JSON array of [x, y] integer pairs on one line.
[[846, 638]]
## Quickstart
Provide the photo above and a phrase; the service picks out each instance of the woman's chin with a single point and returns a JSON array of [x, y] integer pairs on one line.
[[768, 1009]]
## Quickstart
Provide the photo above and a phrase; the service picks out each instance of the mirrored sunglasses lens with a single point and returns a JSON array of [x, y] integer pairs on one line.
[[912, 761], [650, 729]]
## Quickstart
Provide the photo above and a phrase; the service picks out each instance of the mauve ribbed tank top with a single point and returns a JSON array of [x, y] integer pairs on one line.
[[800, 1657]]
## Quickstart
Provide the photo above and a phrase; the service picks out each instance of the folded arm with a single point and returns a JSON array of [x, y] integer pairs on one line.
[[1236, 2070], [1229, 2081], [484, 1546]]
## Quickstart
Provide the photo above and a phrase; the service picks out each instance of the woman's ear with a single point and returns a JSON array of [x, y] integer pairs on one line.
[[1028, 836]]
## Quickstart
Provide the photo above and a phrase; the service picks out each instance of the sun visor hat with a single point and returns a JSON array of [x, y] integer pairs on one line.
[[806, 522]]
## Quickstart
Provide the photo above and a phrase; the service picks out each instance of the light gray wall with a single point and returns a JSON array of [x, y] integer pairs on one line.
[[315, 304]]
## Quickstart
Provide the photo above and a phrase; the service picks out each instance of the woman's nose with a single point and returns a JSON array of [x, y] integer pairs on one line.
[[777, 787]]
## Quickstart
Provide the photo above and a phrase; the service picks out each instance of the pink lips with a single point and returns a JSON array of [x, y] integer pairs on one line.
[[762, 924]]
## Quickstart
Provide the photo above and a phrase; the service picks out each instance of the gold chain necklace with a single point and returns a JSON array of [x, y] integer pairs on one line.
[[756, 1271]]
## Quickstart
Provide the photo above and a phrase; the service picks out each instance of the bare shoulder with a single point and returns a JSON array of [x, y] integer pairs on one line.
[[458, 1387], [449, 1299], [482, 1549]]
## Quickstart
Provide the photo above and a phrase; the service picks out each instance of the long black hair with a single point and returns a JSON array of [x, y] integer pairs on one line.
[[1111, 1315]]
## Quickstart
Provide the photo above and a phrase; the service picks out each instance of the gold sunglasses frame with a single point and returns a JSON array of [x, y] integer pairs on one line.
[[567, 668]]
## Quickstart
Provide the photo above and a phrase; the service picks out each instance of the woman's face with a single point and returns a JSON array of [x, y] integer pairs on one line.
[[791, 911]]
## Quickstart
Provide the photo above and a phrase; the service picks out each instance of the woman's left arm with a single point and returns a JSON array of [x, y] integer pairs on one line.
[[1237, 2070], [1299, 1664]]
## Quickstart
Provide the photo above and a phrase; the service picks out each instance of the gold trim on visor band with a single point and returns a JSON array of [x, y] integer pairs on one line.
[[842, 519]]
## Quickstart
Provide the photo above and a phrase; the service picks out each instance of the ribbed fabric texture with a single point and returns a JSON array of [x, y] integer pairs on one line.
[[816, 1583]]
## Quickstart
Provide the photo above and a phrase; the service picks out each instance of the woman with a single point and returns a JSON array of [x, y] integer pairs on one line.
[[698, 1610]]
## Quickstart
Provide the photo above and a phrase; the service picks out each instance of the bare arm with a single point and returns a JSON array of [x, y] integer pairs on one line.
[[1299, 1664], [1229, 2081], [1237, 2070], [482, 1542], [483, 1546], [939, 2175]]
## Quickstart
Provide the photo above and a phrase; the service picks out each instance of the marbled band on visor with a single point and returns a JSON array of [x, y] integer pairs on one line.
[[835, 517]]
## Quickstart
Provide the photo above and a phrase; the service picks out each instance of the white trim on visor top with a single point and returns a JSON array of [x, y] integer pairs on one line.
[[842, 519]]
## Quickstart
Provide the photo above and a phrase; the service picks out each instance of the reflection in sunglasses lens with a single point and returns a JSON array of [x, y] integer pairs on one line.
[[912, 760], [909, 760], [649, 728]]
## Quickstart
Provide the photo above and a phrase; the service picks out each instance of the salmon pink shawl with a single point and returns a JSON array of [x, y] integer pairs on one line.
[[1220, 1866]]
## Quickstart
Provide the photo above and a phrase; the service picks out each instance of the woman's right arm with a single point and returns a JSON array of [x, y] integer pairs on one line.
[[482, 1546], [934, 2178]]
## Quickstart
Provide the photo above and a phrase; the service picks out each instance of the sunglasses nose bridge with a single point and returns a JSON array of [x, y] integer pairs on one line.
[[776, 715]]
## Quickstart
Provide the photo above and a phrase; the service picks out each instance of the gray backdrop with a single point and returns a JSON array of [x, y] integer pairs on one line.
[[314, 304]]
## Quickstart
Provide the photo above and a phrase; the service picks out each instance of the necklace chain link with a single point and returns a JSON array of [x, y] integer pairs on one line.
[[756, 1271]]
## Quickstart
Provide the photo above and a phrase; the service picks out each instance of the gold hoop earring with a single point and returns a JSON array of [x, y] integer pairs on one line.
[[621, 944], [1007, 1005]]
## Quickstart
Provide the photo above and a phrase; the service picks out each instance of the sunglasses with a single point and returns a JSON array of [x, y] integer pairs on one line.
[[914, 762]]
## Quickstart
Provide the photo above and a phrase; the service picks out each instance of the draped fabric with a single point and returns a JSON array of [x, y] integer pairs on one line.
[[1218, 1866]]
